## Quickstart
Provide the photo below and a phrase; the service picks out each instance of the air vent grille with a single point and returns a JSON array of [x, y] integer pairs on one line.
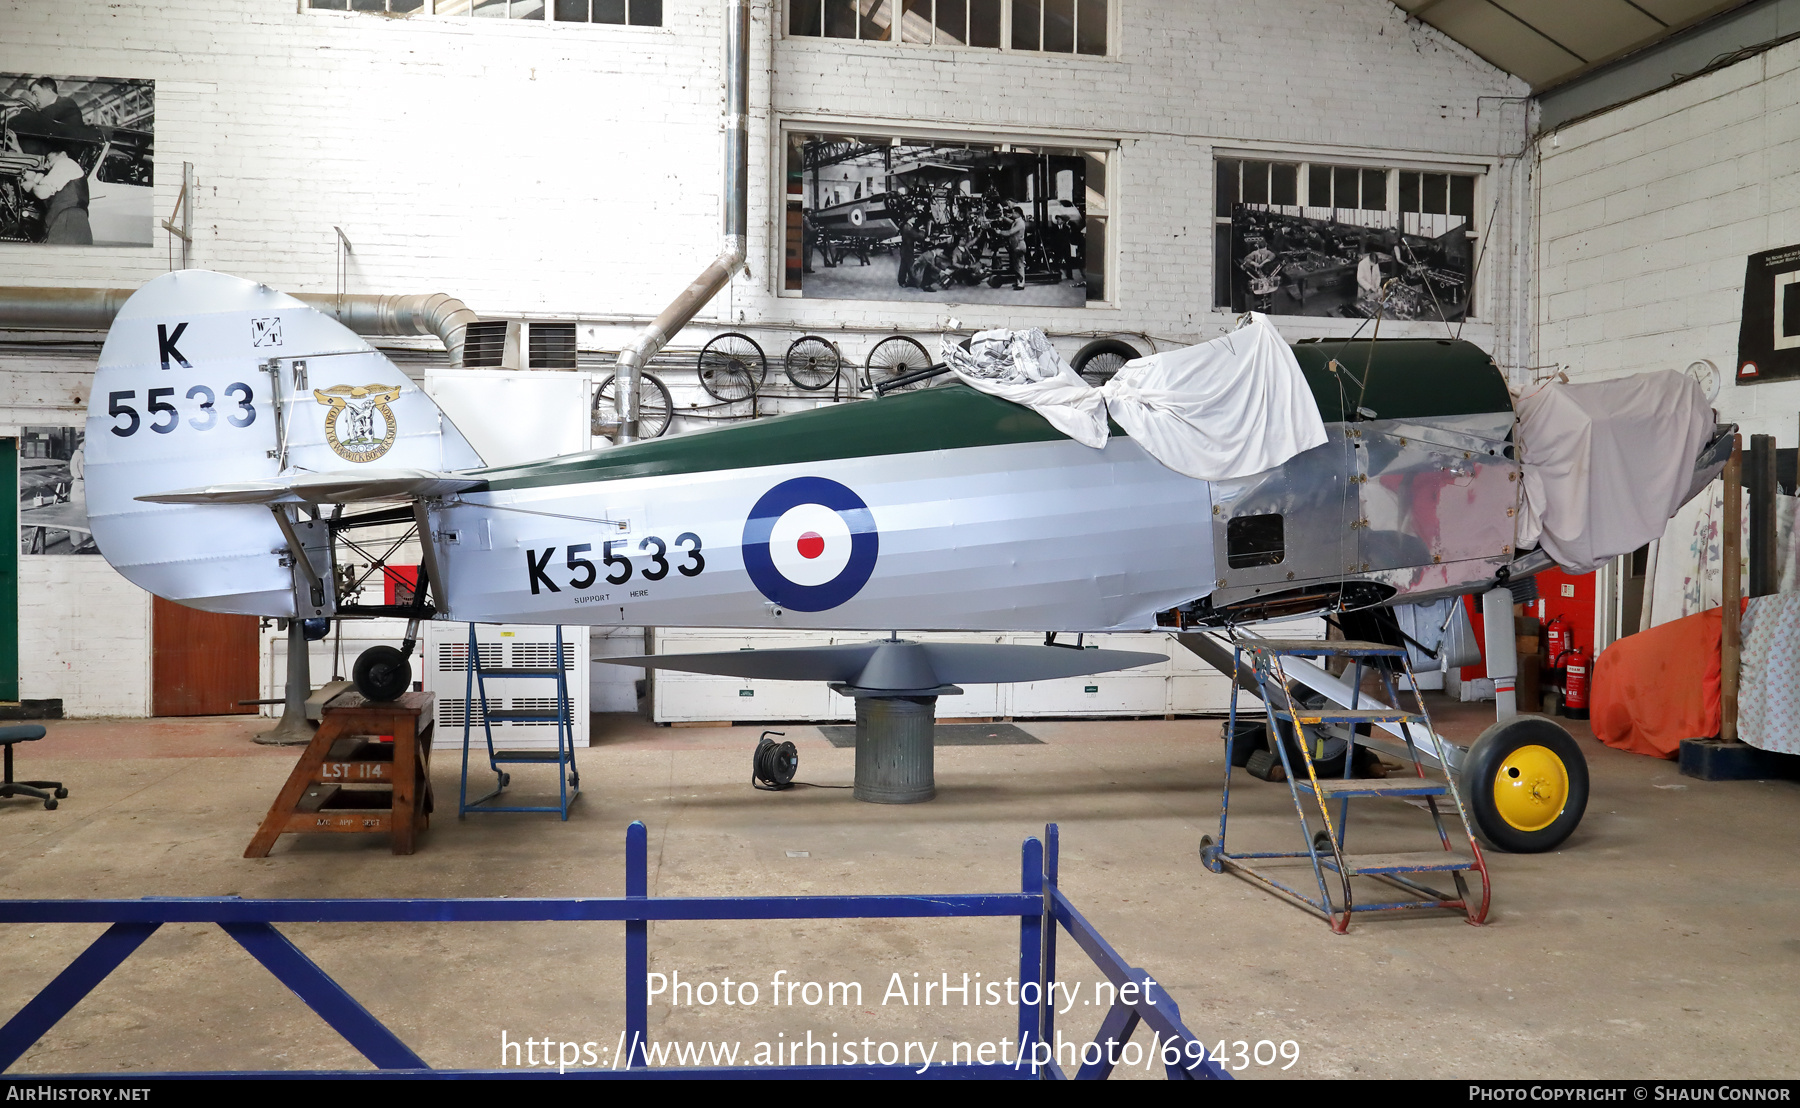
[[484, 344], [552, 346]]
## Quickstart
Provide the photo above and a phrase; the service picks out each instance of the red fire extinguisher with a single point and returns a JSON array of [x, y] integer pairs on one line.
[[1575, 683], [1556, 639]]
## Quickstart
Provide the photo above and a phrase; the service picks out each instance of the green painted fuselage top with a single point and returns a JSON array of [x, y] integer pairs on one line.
[[1406, 379]]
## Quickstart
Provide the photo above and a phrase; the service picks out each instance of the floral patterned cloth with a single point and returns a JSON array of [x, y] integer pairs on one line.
[[1690, 555], [1769, 688]]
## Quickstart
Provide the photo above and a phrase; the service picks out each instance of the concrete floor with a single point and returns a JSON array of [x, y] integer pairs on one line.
[[1660, 942]]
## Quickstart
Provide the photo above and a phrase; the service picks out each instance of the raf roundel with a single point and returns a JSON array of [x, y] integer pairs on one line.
[[810, 544]]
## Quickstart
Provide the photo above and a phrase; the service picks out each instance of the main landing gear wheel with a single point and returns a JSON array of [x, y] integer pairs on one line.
[[382, 673], [1525, 785]]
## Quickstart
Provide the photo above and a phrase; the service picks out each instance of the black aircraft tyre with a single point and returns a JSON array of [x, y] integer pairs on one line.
[[1525, 785], [382, 673]]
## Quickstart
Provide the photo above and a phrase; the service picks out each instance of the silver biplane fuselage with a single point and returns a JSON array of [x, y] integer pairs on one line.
[[217, 457]]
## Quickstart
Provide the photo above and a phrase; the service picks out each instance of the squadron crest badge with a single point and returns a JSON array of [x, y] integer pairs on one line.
[[352, 411]]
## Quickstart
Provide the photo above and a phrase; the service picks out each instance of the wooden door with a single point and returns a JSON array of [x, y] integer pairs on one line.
[[202, 663]]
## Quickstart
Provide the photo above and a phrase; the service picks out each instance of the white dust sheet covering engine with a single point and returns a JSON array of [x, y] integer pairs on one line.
[[1607, 464], [1223, 409]]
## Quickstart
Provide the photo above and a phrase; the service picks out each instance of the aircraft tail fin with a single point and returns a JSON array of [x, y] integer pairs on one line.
[[208, 380]]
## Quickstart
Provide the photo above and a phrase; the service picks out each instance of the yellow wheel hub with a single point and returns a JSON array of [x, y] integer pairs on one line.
[[1531, 787]]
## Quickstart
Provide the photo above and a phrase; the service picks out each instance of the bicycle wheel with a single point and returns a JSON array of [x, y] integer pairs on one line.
[[732, 367], [655, 409], [812, 363], [895, 357], [1099, 360]]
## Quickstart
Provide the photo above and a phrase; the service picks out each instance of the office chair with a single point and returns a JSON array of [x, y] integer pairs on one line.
[[25, 733]]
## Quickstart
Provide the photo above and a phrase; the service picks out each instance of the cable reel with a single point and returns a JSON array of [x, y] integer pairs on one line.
[[774, 764]]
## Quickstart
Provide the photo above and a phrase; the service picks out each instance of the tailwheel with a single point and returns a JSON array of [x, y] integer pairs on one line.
[[382, 673], [1525, 785]]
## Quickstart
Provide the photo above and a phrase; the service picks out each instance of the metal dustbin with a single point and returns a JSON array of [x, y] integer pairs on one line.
[[894, 751]]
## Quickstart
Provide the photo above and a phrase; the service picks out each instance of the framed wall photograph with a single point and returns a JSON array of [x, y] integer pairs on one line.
[[1769, 330], [77, 160], [53, 492], [888, 217], [1294, 237]]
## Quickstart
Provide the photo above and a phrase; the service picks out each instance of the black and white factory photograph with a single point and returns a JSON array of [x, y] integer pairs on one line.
[[77, 160], [900, 540], [53, 491], [881, 218]]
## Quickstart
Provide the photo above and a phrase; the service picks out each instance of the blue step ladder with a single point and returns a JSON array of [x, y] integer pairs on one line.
[[568, 779], [1332, 865]]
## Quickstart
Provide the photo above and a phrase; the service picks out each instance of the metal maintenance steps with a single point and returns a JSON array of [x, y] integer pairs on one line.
[[1420, 861], [568, 778], [1297, 734], [1392, 786]]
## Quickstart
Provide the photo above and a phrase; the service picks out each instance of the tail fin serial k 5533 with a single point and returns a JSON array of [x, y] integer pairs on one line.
[[218, 398]]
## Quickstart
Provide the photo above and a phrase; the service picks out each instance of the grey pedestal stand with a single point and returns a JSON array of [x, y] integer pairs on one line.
[[894, 742], [294, 728]]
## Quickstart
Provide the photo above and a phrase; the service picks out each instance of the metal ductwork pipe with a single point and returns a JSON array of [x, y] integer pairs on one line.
[[33, 309], [53, 309], [437, 314], [638, 352]]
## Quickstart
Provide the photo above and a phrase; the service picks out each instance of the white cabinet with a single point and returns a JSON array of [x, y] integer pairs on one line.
[[1101, 694], [445, 649]]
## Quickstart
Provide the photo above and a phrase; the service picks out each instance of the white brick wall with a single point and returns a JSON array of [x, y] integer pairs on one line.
[[84, 631], [573, 171], [84, 636], [1350, 78], [1647, 213]]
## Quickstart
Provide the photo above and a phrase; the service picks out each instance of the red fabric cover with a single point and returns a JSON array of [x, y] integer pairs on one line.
[[1657, 687]]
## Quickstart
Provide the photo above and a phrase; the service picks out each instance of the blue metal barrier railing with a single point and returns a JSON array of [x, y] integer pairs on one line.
[[1039, 905]]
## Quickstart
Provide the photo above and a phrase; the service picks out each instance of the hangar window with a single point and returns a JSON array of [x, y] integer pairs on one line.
[[400, 7], [638, 13], [1312, 239], [1045, 26]]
